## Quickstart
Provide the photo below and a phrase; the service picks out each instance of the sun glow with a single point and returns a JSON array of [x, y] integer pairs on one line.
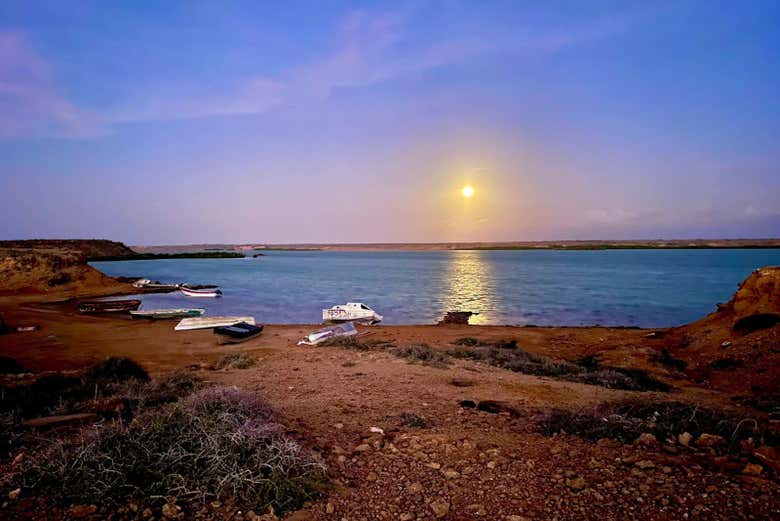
[[468, 191]]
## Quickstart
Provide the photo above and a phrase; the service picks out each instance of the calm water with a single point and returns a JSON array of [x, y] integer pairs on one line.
[[648, 288]]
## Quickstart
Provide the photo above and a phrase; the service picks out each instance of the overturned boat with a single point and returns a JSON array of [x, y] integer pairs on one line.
[[201, 291], [237, 333], [351, 312], [188, 324], [108, 306], [167, 314], [339, 330]]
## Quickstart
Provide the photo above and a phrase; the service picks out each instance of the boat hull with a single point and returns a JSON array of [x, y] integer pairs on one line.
[[201, 293], [108, 306], [166, 314], [189, 324], [237, 333]]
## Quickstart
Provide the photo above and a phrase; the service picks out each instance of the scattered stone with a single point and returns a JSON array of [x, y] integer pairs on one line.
[[377, 430], [645, 464], [339, 426], [710, 440], [753, 469], [14, 494], [171, 510], [362, 448], [440, 508], [685, 439], [406, 516], [79, 511], [147, 513], [451, 473], [725, 344], [769, 456], [434, 466], [576, 483], [646, 439], [517, 518], [372, 476], [329, 508]]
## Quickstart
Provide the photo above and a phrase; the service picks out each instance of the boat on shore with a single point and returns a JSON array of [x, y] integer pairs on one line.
[[166, 314], [188, 324], [108, 306], [237, 333], [351, 312], [339, 330], [205, 292], [148, 284]]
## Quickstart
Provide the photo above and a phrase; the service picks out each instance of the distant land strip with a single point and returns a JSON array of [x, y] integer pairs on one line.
[[515, 245], [159, 256]]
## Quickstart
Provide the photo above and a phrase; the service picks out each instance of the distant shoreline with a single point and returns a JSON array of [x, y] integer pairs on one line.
[[698, 244]]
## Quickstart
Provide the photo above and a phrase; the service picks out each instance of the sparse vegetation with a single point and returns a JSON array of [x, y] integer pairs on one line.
[[219, 443], [626, 421], [587, 371], [9, 365], [235, 361], [116, 369], [354, 343], [421, 353], [410, 419], [665, 358]]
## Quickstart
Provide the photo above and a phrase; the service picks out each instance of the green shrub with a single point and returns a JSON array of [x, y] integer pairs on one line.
[[421, 353]]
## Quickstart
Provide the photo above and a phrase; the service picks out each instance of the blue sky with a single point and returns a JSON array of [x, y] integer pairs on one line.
[[179, 122]]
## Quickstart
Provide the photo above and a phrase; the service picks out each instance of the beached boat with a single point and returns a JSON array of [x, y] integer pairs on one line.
[[236, 333], [201, 292], [108, 306], [339, 330], [165, 314], [351, 312], [210, 322]]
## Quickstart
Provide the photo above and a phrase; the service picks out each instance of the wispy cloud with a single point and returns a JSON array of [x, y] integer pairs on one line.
[[368, 48], [30, 103]]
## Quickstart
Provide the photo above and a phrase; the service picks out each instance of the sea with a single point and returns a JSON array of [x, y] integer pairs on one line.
[[645, 288]]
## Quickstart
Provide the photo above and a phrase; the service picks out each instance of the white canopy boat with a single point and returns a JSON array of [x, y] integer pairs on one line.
[[188, 324], [351, 312]]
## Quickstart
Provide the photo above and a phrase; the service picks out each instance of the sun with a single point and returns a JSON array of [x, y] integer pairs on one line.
[[468, 191]]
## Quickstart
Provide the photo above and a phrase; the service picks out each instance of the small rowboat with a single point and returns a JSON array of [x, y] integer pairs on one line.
[[109, 306], [165, 314], [188, 324], [209, 293], [237, 333]]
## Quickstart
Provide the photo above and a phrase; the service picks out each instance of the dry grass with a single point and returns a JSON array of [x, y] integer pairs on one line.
[[235, 361], [421, 353], [218, 443], [627, 420]]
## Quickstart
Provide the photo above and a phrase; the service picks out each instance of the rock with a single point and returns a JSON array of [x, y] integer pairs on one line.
[[171, 510], [377, 430], [440, 508], [338, 426], [725, 345], [645, 464], [362, 448], [434, 466], [451, 473], [18, 459], [14, 494], [414, 488], [646, 439], [755, 304], [769, 456], [576, 484], [491, 464], [79, 511], [685, 439], [710, 440], [252, 516], [406, 516], [517, 518], [372, 476], [753, 469], [329, 508]]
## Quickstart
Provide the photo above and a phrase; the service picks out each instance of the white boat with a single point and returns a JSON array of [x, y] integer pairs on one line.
[[208, 293], [351, 312], [345, 329], [188, 324]]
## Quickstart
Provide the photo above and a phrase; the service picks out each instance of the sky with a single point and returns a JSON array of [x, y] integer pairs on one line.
[[294, 122]]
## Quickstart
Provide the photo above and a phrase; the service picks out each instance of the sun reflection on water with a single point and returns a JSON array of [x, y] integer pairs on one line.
[[469, 286]]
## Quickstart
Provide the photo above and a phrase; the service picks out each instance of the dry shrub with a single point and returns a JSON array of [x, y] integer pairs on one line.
[[219, 443], [116, 369], [587, 371], [421, 353], [9, 365], [410, 419], [235, 361], [626, 421], [353, 343]]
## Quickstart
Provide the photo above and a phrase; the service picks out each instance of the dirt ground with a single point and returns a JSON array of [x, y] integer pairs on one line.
[[463, 464]]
